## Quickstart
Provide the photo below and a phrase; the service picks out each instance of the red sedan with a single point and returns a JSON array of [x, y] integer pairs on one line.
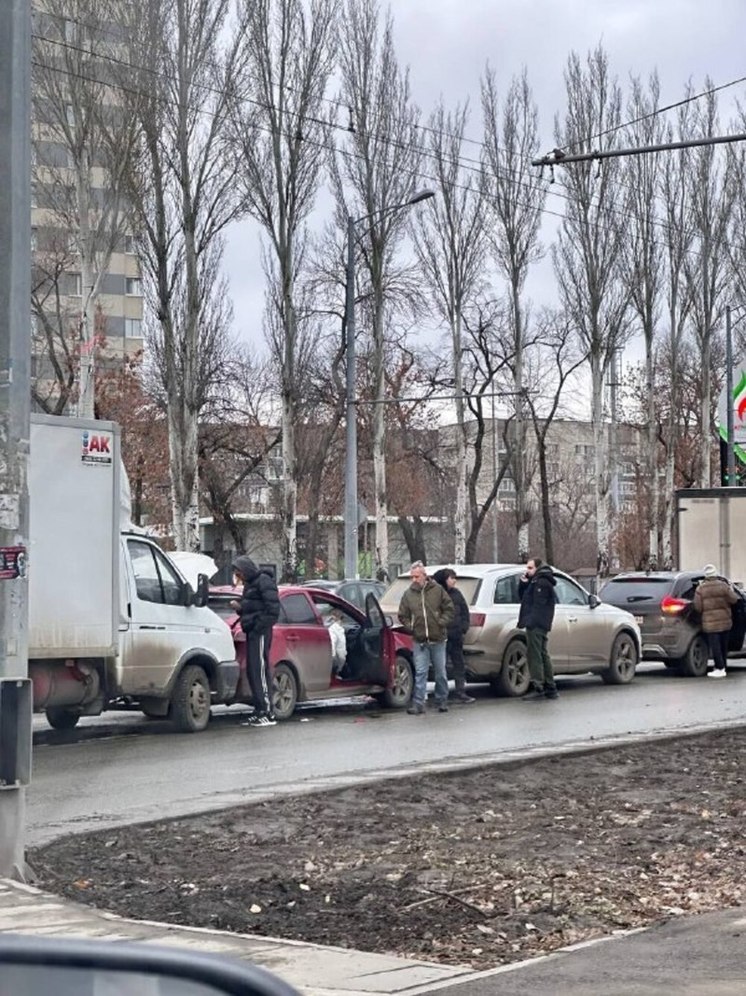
[[379, 659]]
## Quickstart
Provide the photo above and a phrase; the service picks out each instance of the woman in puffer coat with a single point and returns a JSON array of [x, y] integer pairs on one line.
[[713, 600]]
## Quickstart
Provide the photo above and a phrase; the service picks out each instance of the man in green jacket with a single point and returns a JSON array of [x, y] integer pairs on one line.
[[426, 611]]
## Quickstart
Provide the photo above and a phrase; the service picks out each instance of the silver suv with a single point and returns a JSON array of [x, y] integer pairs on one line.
[[661, 602], [587, 635]]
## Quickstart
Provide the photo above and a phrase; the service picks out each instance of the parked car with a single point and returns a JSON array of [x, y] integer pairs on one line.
[[379, 659], [587, 635], [354, 590], [670, 626]]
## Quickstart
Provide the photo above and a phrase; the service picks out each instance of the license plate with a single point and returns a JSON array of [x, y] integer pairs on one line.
[[638, 620]]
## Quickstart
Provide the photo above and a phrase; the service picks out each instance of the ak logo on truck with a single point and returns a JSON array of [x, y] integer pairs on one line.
[[97, 448]]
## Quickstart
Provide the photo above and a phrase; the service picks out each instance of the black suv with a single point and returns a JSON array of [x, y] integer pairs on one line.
[[661, 602]]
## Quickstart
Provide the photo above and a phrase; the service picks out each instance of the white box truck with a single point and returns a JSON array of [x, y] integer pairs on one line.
[[712, 530], [112, 622]]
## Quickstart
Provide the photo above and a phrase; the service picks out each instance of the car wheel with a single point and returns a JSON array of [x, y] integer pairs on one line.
[[285, 691], [400, 694], [62, 719], [190, 702], [514, 678], [623, 661], [694, 663]]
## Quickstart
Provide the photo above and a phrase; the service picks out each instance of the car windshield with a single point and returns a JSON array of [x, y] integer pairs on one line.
[[626, 591]]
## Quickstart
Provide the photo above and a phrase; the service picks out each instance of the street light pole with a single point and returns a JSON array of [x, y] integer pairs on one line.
[[351, 525], [351, 502], [730, 460], [15, 358]]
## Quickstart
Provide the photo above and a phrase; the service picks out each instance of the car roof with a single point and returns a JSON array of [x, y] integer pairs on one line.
[[654, 575], [468, 570]]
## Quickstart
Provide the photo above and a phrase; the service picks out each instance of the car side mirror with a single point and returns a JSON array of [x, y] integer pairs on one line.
[[594, 601], [202, 594], [36, 966]]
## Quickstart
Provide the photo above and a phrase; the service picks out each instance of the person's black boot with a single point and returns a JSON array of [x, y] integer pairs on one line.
[[536, 693]]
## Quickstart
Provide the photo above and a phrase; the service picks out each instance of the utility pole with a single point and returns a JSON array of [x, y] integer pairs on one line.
[[15, 358], [730, 463], [614, 455]]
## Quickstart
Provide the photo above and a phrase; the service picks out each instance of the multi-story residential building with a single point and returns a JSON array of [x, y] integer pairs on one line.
[[87, 294]]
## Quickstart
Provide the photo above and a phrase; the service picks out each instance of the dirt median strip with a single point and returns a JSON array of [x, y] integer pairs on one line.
[[483, 866]]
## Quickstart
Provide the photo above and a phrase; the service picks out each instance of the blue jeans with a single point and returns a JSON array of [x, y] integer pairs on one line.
[[426, 654]]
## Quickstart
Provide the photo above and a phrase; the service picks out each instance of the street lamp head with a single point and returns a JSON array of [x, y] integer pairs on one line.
[[421, 195]]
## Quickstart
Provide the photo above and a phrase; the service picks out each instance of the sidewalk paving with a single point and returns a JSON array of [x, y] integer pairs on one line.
[[692, 956]]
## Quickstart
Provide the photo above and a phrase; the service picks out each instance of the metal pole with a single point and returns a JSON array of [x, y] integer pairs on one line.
[[730, 462], [15, 358], [496, 509], [351, 506]]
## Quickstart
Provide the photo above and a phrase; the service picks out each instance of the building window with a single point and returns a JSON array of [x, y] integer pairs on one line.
[[130, 245], [70, 114], [75, 285], [133, 286], [133, 328]]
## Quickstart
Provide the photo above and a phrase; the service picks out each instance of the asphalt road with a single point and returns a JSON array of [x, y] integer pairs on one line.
[[123, 768]]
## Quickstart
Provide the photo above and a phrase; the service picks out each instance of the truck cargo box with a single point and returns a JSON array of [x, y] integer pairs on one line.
[[74, 489], [712, 530]]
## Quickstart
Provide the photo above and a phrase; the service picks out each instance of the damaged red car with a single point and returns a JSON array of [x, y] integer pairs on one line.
[[378, 659]]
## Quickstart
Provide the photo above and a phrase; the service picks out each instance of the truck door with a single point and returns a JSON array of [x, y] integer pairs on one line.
[[161, 628]]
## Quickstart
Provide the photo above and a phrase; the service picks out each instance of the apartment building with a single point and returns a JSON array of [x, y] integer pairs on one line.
[[87, 293]]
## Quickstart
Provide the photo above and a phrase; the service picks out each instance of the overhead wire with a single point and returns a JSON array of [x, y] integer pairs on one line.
[[427, 153]]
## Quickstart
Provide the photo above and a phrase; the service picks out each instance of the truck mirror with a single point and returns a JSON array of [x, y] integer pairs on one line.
[[203, 591]]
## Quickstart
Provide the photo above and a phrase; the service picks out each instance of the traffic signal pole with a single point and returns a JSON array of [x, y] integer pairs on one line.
[[15, 336]]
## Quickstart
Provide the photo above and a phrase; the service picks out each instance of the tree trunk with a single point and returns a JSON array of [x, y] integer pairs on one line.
[[414, 537], [379, 440], [461, 517], [601, 489]]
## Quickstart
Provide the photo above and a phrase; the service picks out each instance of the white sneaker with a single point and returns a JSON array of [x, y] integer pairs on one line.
[[718, 672]]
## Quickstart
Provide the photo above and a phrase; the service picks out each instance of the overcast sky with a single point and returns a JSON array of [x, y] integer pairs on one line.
[[447, 43]]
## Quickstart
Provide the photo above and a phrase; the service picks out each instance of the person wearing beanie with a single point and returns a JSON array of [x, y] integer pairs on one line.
[[259, 609], [713, 600], [446, 578]]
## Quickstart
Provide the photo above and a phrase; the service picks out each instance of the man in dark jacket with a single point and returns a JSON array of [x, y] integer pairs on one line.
[[538, 598], [259, 609], [446, 577]]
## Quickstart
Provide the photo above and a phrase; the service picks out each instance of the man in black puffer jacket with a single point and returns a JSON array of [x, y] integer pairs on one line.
[[538, 598], [446, 577], [259, 610]]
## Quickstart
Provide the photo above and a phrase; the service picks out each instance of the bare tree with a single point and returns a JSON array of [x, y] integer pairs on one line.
[[642, 253], [373, 173], [184, 188], [587, 255], [279, 138], [450, 245], [83, 137], [550, 367], [677, 235], [516, 193], [487, 356], [707, 269]]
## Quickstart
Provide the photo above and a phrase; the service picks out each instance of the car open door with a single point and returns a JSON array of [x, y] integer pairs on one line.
[[377, 643]]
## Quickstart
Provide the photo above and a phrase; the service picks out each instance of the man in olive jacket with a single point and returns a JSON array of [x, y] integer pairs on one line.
[[538, 598], [426, 611], [714, 599]]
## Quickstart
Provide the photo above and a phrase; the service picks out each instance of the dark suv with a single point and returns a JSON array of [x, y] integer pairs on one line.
[[661, 603]]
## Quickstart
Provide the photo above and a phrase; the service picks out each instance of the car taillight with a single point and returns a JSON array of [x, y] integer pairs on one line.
[[477, 618], [673, 606]]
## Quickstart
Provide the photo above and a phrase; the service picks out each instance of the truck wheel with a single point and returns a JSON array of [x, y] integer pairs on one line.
[[60, 718], [694, 663], [622, 663], [400, 694], [513, 679], [190, 702], [284, 691]]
